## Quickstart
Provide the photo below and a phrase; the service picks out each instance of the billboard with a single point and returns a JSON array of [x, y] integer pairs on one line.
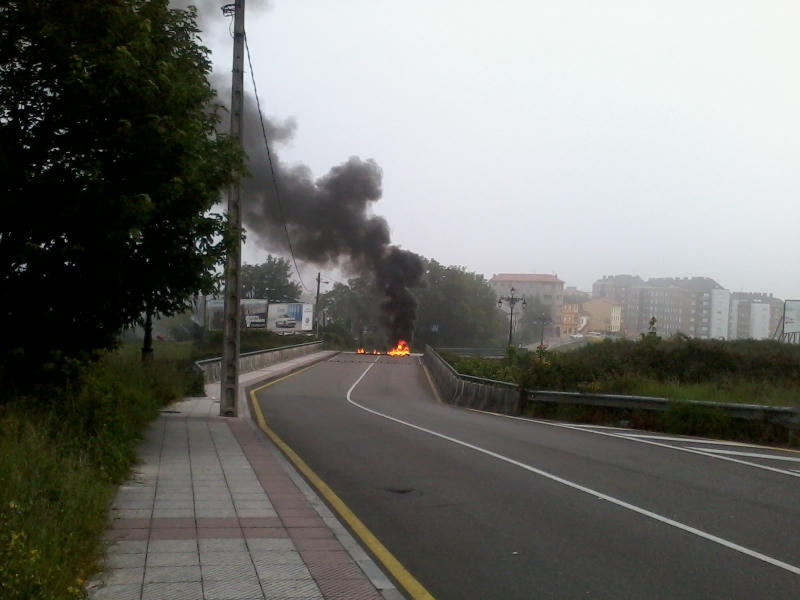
[[286, 318], [214, 314], [259, 314], [254, 314], [791, 316]]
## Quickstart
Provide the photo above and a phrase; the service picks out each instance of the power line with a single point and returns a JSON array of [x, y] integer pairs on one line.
[[271, 168]]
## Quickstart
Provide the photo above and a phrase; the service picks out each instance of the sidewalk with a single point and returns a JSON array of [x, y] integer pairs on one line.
[[215, 512]]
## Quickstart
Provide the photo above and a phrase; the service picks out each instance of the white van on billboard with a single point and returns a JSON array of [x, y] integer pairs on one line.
[[289, 317]]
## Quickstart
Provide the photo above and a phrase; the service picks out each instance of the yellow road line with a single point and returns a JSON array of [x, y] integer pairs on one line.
[[398, 571], [274, 381]]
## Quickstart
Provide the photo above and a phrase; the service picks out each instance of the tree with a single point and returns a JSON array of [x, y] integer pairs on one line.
[[534, 320], [354, 308], [271, 280], [109, 166], [461, 305]]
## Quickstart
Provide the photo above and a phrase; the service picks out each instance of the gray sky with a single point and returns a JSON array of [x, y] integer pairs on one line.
[[583, 138]]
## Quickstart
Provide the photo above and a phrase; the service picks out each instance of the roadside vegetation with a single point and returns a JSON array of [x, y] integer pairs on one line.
[[761, 372], [457, 308], [110, 170], [739, 371], [63, 450], [179, 338]]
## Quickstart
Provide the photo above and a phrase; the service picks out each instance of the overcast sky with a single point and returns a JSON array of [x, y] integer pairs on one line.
[[582, 138]]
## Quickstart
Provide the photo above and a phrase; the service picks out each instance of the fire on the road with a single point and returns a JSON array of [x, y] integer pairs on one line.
[[401, 349]]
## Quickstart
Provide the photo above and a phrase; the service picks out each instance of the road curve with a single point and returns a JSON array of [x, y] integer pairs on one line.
[[479, 506]]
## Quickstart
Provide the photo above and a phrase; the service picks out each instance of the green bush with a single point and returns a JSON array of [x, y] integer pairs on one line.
[[744, 371], [62, 452]]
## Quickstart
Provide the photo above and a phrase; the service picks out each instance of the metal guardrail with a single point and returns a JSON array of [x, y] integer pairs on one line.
[[252, 361], [487, 352], [507, 398]]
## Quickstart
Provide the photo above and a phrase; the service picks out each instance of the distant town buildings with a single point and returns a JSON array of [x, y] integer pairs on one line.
[[755, 316], [548, 288], [578, 295], [570, 315], [698, 307], [620, 289], [605, 315]]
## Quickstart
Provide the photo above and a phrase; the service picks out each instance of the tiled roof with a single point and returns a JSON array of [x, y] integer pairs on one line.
[[606, 300]]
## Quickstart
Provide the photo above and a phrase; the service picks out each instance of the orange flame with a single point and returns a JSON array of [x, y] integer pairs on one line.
[[375, 352], [401, 349], [360, 351]]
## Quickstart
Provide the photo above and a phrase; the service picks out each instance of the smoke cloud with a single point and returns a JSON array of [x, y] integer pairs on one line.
[[329, 219]]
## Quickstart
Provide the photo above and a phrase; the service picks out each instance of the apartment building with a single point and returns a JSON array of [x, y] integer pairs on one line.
[[605, 316], [695, 306], [548, 288], [570, 316], [620, 288], [754, 316]]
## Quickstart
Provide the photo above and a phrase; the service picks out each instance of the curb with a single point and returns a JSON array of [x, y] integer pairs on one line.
[[369, 567]]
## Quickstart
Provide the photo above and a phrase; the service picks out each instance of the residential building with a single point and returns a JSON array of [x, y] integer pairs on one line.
[[620, 288], [695, 306], [605, 316], [548, 288], [578, 295], [570, 316], [754, 316]]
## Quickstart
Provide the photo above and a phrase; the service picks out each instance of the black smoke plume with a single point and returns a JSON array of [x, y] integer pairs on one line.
[[328, 220]]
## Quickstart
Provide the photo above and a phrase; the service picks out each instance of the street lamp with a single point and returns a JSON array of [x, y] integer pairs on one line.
[[511, 300], [543, 320]]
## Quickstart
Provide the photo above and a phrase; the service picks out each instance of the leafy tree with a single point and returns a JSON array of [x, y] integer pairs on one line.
[[534, 320], [109, 164], [353, 308], [462, 305], [271, 279]]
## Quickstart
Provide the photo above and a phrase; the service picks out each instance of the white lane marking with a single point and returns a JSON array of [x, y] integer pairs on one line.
[[749, 454], [685, 439], [598, 426], [625, 436], [667, 521]]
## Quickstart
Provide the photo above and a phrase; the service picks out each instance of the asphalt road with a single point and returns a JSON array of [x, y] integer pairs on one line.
[[484, 507]]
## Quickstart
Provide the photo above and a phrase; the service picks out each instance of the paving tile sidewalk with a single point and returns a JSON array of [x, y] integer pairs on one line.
[[214, 512]]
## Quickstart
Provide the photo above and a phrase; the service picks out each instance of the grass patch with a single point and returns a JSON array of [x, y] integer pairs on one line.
[[679, 419], [62, 453], [741, 371], [210, 346], [737, 392]]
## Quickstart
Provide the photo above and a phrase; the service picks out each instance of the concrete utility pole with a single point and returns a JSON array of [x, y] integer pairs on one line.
[[316, 306], [229, 383]]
